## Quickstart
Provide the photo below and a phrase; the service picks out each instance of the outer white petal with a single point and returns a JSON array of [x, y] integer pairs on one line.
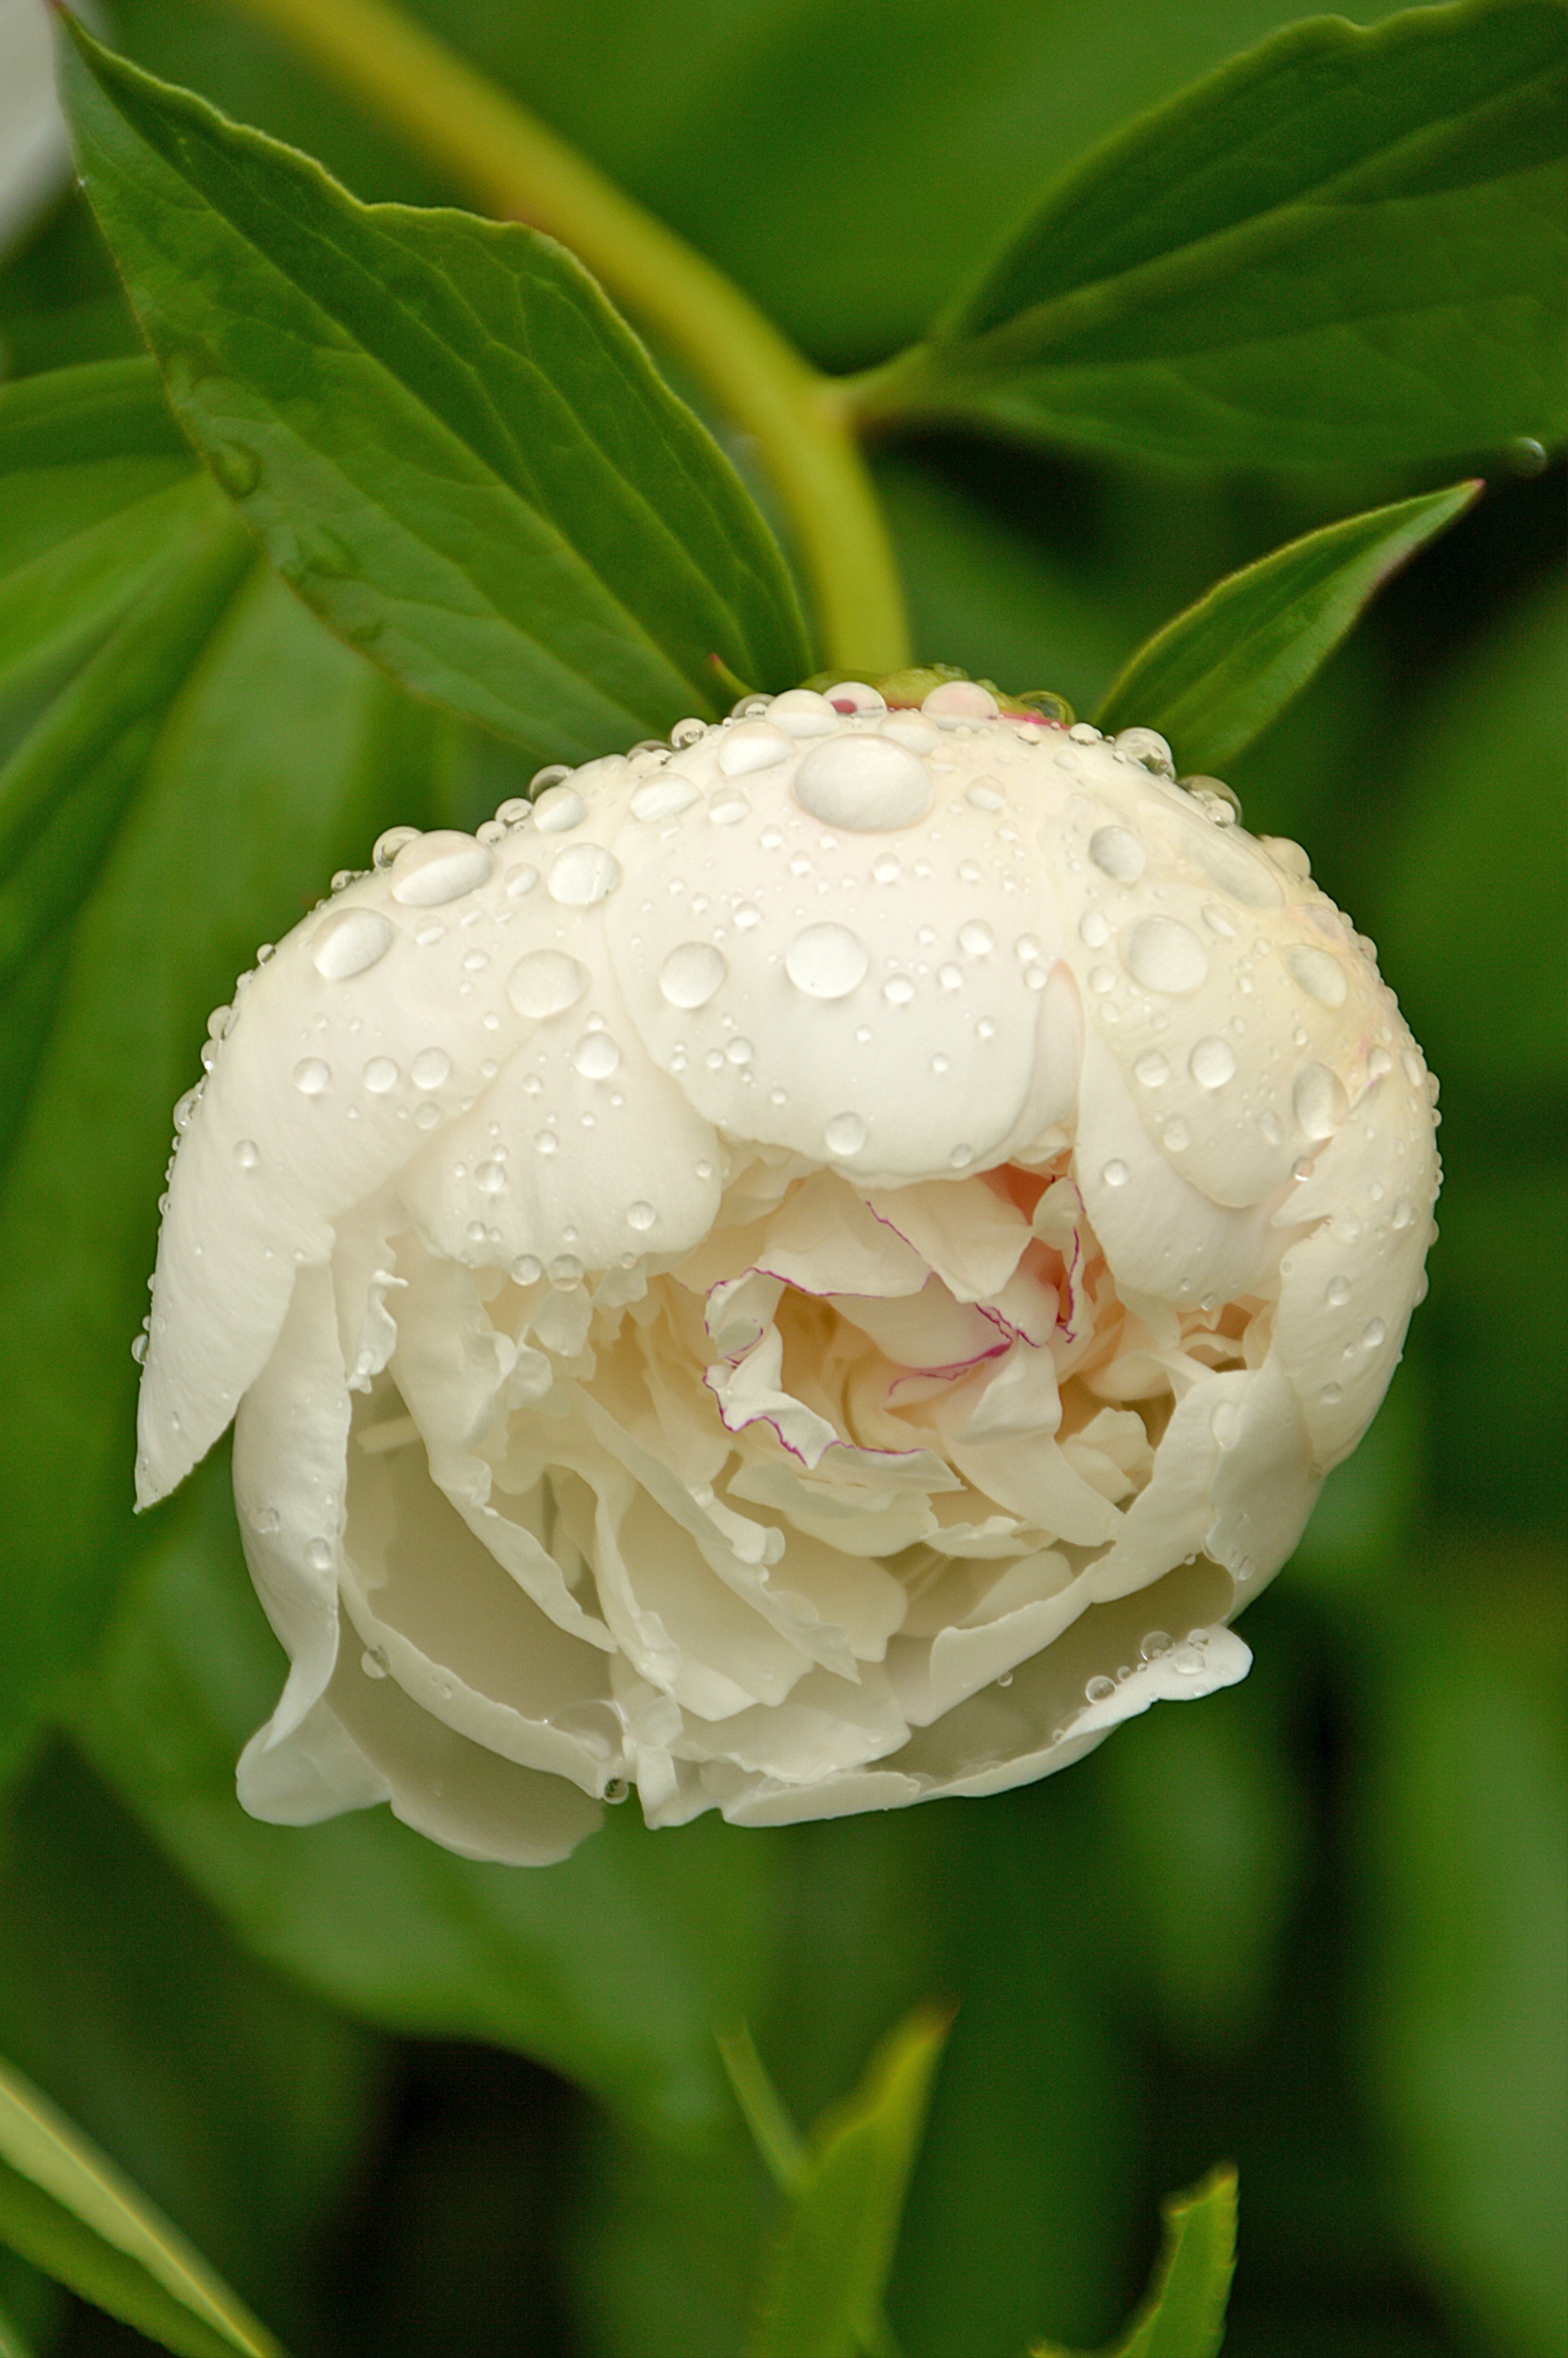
[[1170, 1520], [35, 158]]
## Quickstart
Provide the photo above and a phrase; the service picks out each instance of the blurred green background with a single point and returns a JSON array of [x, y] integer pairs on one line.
[[1317, 1924]]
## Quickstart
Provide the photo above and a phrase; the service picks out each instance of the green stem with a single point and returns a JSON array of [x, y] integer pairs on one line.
[[517, 167]]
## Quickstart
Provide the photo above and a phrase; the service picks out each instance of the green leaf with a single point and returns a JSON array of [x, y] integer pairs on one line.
[[189, 755], [611, 1967], [1345, 247], [1184, 2316], [1461, 1814], [823, 2293], [64, 2206], [448, 440], [1216, 678]]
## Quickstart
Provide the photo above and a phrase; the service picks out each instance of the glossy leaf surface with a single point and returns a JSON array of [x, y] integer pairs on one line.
[[1216, 678], [1344, 247], [446, 438]]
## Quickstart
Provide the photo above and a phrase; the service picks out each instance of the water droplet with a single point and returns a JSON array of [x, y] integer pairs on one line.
[[1096, 1689], [640, 1216], [663, 798], [1338, 1292], [977, 938], [752, 745], [1319, 1100], [1526, 456], [373, 1663], [490, 1177], [958, 703], [1331, 1395], [845, 1134], [437, 868], [247, 1153], [566, 1271], [908, 729], [350, 941], [430, 1067], [692, 973], [546, 1142], [312, 1077], [526, 1270], [899, 989], [1176, 1136], [389, 845], [951, 978], [1146, 745], [728, 809], [1163, 955], [1403, 1213], [690, 732], [827, 961], [520, 879], [1093, 929], [1157, 1643], [431, 932], [546, 983], [558, 809], [961, 1156], [1212, 1062], [583, 874], [801, 712], [1269, 1124], [1116, 1173], [985, 795], [596, 1056], [1320, 974], [739, 1050], [140, 1346], [865, 783], [237, 468], [1374, 1335], [319, 1556], [1116, 851], [1152, 1070]]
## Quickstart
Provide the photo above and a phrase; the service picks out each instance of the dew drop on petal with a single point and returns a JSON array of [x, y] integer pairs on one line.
[[899, 989], [640, 1216], [527, 1269], [583, 874], [1319, 1100], [1403, 1213], [827, 961], [865, 783], [957, 702], [1093, 929], [389, 845], [1374, 1335], [1212, 1062], [1116, 851], [247, 1153], [1176, 1136], [1146, 745], [747, 914], [907, 728], [692, 973], [596, 1056], [558, 809], [490, 1177], [1152, 1070], [379, 1075], [1319, 973], [430, 1067], [985, 795], [521, 878], [977, 938], [312, 1077], [1116, 1173], [663, 798], [801, 712], [1163, 955], [1338, 1292], [546, 983], [438, 868], [845, 1134], [1096, 1689], [749, 746]]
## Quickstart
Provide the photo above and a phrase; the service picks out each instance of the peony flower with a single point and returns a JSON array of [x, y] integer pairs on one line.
[[806, 1271]]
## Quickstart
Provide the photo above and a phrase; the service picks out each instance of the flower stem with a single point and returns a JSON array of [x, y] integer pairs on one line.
[[517, 167]]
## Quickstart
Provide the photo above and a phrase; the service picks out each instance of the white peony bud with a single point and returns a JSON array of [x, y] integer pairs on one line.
[[802, 1274]]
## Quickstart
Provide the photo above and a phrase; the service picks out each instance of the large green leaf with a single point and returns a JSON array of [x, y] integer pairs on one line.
[[611, 1967], [190, 754], [447, 440], [64, 2206], [1345, 247], [822, 2297], [1184, 2316], [1214, 679]]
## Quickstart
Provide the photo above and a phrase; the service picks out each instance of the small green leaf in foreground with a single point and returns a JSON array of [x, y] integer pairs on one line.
[[68, 2210], [1214, 679], [449, 443], [1346, 246], [822, 2297], [1184, 2316]]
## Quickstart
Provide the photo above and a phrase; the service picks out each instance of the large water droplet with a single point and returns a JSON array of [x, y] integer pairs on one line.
[[1162, 953], [960, 703], [752, 745], [1116, 851], [1320, 974], [663, 798], [977, 938], [430, 1067], [827, 961], [312, 1077], [1212, 1062], [1319, 1100], [490, 1177], [1374, 1335], [247, 1153], [867, 784], [899, 989], [596, 1055], [692, 973], [350, 941], [845, 1134], [1152, 1070], [546, 983], [1146, 745], [801, 712], [907, 728], [379, 1075], [583, 874], [437, 867], [985, 795], [389, 845], [640, 1216], [558, 809]]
